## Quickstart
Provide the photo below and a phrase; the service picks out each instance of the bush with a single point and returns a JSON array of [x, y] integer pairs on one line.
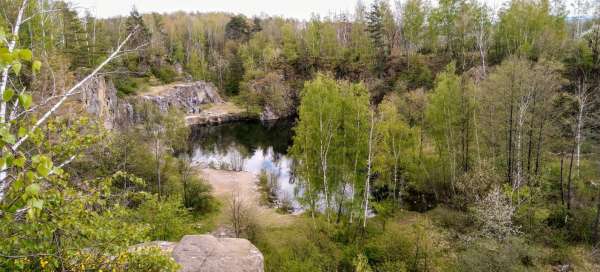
[[168, 220], [490, 255], [125, 86], [165, 73], [147, 259], [198, 197]]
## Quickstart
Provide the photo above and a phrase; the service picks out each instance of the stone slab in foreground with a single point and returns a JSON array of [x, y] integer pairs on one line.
[[206, 253]]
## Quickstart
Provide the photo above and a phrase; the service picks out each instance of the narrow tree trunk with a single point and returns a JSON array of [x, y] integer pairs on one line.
[[596, 226], [538, 157], [570, 181], [562, 189], [368, 179], [157, 151]]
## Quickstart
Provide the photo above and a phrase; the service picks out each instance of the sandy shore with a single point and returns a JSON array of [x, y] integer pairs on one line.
[[227, 183]]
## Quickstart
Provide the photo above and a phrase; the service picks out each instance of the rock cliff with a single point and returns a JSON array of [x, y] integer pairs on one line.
[[188, 97], [99, 98]]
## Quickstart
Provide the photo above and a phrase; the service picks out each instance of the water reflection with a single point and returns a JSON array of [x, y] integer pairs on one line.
[[249, 146]]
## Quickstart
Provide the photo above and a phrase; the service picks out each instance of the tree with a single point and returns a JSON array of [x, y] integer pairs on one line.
[[449, 121], [413, 22], [238, 28], [528, 29], [395, 146], [495, 213], [330, 140], [517, 96], [375, 27], [48, 216]]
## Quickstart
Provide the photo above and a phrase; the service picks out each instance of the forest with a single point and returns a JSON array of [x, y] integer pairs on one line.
[[444, 136]]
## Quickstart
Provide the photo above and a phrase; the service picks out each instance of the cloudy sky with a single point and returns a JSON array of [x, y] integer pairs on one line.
[[301, 9]]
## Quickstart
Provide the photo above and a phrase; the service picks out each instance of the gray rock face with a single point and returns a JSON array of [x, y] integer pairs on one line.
[[205, 253], [99, 98], [187, 97]]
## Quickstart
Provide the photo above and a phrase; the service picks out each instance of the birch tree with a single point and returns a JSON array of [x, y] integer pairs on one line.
[[16, 107]]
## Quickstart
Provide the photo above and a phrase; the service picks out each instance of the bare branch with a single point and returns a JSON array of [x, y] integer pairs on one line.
[[39, 13], [43, 119]]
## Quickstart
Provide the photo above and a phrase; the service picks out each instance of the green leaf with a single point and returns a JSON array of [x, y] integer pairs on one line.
[[7, 136], [16, 67], [25, 100], [19, 162], [44, 166], [8, 94], [25, 54], [36, 66], [37, 204], [33, 189], [22, 132]]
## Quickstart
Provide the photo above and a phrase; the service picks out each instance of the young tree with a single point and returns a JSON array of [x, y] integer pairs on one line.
[[329, 139], [395, 146], [449, 121]]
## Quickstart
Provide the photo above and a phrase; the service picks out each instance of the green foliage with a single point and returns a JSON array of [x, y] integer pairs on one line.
[[149, 259], [331, 134], [198, 197], [126, 86], [237, 28], [529, 29], [88, 228], [168, 220], [166, 74], [515, 255]]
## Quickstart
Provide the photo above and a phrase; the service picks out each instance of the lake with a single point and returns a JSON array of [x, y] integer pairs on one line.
[[252, 146]]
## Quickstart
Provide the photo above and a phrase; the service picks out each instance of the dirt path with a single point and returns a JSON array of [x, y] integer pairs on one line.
[[227, 183]]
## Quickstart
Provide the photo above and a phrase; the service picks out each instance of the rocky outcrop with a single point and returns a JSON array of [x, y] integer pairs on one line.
[[199, 101], [217, 114], [187, 97], [99, 98], [207, 253]]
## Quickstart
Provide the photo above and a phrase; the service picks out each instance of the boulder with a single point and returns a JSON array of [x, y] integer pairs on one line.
[[206, 253]]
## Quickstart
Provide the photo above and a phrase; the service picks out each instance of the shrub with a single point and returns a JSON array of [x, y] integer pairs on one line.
[[491, 255], [198, 197], [165, 73], [168, 219], [147, 259]]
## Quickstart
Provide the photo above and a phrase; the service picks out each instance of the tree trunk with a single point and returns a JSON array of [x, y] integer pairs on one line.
[[596, 225], [570, 181], [562, 189], [368, 179]]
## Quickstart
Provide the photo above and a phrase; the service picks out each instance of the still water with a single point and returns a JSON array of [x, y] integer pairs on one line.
[[251, 146]]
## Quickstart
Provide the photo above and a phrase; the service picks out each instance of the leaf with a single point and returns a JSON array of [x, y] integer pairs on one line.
[[7, 136], [22, 132], [44, 166], [36, 66], [25, 54], [33, 189], [25, 101], [8, 94], [19, 162], [37, 204], [16, 67]]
